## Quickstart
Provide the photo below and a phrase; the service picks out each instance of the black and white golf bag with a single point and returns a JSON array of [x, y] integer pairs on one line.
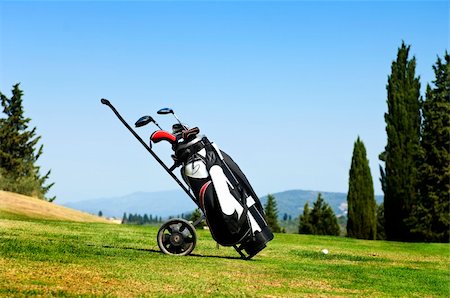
[[232, 209], [217, 185]]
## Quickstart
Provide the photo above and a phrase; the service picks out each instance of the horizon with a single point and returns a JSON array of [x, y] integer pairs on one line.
[[289, 202], [181, 191], [284, 87]]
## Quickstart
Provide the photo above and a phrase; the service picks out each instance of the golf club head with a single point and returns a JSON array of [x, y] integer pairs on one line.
[[165, 111], [144, 120]]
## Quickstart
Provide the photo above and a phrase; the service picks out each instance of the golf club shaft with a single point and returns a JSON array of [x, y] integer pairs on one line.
[[106, 102], [157, 125], [179, 120]]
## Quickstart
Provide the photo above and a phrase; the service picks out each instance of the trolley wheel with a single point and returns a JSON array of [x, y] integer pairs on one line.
[[177, 237]]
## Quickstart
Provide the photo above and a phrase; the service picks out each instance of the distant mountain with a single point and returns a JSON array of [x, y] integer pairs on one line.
[[164, 203], [292, 202], [172, 203]]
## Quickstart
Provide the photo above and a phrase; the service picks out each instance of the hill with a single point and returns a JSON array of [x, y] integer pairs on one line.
[[68, 259], [172, 203], [16, 205], [163, 203], [291, 202]]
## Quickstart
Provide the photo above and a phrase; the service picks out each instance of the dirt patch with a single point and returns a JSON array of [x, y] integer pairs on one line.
[[39, 209]]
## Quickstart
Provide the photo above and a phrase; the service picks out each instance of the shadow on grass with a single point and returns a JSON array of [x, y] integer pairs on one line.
[[345, 257], [129, 248], [217, 257], [160, 252]]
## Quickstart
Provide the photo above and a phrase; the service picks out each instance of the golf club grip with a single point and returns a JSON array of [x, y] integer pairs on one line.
[[106, 102]]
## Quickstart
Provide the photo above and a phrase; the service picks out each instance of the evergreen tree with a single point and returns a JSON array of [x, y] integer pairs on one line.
[[430, 217], [270, 209], [381, 235], [305, 226], [18, 157], [361, 221], [399, 178], [323, 218], [100, 213], [195, 216], [124, 218]]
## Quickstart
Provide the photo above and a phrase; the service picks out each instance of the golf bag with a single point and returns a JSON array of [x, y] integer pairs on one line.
[[232, 209], [216, 184]]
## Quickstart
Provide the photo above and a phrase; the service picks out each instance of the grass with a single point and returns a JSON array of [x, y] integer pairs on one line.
[[16, 206], [58, 258]]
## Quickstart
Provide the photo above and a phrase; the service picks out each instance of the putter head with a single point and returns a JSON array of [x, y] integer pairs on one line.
[[165, 111], [144, 120]]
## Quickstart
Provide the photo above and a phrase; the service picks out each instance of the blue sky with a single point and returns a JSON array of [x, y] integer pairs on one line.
[[284, 87]]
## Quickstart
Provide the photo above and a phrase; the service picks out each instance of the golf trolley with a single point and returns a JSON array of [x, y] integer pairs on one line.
[[217, 186]]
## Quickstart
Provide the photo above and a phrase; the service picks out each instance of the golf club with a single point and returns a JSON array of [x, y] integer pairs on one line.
[[108, 103], [165, 111], [144, 120]]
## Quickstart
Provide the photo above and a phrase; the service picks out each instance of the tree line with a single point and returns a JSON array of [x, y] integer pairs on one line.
[[416, 173], [415, 177], [318, 220], [138, 219]]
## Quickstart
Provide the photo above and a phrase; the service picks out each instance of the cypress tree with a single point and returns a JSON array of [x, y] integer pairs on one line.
[[430, 217], [361, 221], [270, 209], [18, 157], [399, 179], [305, 226], [380, 222]]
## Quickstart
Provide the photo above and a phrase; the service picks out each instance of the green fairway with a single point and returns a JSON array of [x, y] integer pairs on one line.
[[57, 258]]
